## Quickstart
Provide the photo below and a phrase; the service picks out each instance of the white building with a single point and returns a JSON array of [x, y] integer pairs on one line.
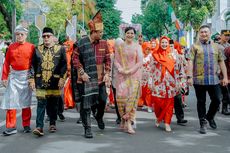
[[221, 19]]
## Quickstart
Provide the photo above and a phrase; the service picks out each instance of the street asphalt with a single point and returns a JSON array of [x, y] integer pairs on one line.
[[69, 137]]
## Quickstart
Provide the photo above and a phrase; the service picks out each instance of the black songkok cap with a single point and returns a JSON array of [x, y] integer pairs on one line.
[[47, 30]]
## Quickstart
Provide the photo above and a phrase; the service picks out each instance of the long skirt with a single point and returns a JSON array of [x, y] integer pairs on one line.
[[18, 95], [127, 104], [163, 108]]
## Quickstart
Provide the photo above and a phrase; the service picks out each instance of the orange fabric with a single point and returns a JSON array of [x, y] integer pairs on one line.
[[154, 49], [146, 97], [163, 57], [11, 118], [111, 44], [69, 51], [177, 46], [145, 46], [19, 57], [68, 95], [163, 108]]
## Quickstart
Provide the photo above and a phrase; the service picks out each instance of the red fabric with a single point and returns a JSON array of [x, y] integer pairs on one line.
[[163, 108], [146, 97], [111, 96], [11, 118], [68, 95], [19, 57], [26, 116], [177, 46], [163, 57]]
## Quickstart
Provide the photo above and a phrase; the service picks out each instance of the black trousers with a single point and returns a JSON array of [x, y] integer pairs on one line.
[[99, 108], [225, 93], [115, 101], [60, 105], [178, 107], [214, 92]]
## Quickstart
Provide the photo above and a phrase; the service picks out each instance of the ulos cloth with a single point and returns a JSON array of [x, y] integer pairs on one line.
[[18, 95]]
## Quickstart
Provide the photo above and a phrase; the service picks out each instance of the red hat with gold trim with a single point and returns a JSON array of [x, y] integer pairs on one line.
[[96, 22]]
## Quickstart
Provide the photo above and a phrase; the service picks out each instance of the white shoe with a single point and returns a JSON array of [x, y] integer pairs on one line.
[[150, 110]]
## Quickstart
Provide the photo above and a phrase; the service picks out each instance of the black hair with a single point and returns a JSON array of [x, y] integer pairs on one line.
[[204, 26], [130, 28], [171, 41]]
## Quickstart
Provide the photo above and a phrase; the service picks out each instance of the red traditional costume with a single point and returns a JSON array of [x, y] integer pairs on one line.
[[166, 74], [17, 95], [145, 98]]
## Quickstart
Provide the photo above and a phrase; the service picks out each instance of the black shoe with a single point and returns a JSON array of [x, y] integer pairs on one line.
[[118, 120], [27, 129], [79, 121], [101, 124], [203, 129], [9, 131], [88, 133], [225, 111], [182, 122], [61, 117], [212, 124]]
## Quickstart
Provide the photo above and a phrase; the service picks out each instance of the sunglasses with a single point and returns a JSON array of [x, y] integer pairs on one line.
[[46, 36]]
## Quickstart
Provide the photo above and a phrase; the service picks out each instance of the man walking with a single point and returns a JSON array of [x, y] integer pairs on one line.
[[91, 58], [47, 76], [205, 56], [18, 95]]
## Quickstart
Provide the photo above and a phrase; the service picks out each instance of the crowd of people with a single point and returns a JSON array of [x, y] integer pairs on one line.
[[84, 74]]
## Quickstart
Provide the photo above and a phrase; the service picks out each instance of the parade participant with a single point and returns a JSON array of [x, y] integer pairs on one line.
[[166, 82], [155, 45], [178, 102], [47, 77], [223, 43], [91, 59], [18, 95], [128, 61], [203, 65], [146, 94]]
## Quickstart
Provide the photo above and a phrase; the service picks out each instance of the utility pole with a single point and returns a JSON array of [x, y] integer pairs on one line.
[[13, 20], [83, 14]]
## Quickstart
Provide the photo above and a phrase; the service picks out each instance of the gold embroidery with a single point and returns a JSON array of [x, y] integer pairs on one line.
[[43, 93], [48, 61]]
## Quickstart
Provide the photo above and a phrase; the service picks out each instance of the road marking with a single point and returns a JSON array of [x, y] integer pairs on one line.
[[18, 114]]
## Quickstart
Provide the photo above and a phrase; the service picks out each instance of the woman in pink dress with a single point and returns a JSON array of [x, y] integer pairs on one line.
[[128, 61]]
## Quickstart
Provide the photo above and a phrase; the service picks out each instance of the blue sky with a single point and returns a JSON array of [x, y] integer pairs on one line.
[[128, 7]]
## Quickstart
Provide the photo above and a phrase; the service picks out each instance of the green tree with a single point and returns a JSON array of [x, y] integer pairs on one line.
[[155, 19], [193, 12], [57, 20], [6, 8], [33, 35], [111, 18]]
